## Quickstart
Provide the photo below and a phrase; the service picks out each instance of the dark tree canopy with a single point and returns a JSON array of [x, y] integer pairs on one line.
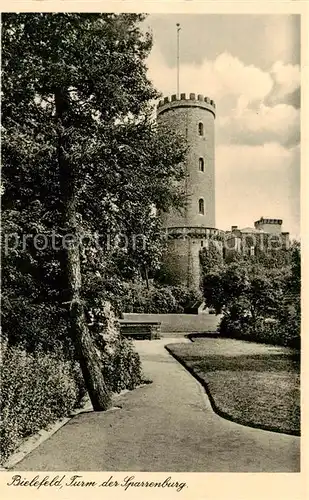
[[123, 165], [81, 156]]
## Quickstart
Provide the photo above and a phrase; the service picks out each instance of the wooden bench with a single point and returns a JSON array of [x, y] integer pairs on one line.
[[140, 330]]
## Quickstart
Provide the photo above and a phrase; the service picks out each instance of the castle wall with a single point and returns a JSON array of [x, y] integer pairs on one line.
[[255, 243], [181, 262], [271, 226]]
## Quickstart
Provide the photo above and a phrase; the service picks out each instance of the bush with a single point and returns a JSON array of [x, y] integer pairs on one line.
[[34, 326], [235, 327], [260, 301], [122, 368], [159, 299], [154, 300], [262, 330], [186, 298], [37, 389], [120, 363], [289, 325]]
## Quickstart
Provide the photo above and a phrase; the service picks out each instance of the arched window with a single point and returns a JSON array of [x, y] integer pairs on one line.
[[201, 164], [201, 206], [200, 129]]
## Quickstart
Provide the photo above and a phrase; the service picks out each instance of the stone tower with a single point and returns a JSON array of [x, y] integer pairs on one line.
[[193, 117]]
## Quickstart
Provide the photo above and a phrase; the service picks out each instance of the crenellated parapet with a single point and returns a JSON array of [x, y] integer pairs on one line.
[[195, 232], [184, 101]]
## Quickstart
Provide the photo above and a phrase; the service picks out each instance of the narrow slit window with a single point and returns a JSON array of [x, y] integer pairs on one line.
[[201, 206], [200, 128], [201, 164]]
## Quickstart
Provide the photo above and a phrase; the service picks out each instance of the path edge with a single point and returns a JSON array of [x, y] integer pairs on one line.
[[220, 412]]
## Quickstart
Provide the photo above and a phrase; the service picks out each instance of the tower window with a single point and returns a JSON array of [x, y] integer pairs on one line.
[[201, 164], [200, 129], [201, 206]]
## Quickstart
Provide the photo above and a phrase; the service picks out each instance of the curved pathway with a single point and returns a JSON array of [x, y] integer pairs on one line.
[[168, 425]]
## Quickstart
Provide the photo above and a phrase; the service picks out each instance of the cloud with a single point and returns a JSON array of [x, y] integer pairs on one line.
[[287, 76], [255, 39], [225, 76], [235, 78], [258, 125], [286, 83], [250, 101], [257, 180], [257, 134]]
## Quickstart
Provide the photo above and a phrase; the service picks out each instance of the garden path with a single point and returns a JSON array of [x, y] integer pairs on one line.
[[168, 425]]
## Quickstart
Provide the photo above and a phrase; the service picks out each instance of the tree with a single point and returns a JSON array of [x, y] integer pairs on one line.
[[258, 298], [211, 257], [294, 284], [78, 134]]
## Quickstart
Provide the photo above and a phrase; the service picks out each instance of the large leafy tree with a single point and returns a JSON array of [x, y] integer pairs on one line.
[[253, 292], [81, 155]]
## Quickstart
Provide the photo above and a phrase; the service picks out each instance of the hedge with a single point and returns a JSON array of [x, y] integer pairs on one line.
[[37, 389], [40, 387], [273, 332]]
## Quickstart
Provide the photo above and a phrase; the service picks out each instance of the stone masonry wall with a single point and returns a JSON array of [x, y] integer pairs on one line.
[[184, 117], [181, 262]]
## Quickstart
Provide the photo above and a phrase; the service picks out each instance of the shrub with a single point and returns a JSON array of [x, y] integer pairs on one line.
[[33, 326], [40, 387], [122, 368], [289, 324], [159, 299], [260, 300], [120, 363], [238, 327], [262, 330], [37, 389], [186, 298]]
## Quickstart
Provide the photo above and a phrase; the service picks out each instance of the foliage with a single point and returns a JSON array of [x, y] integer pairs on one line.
[[37, 389], [211, 257], [120, 363], [122, 368], [186, 298], [35, 325], [294, 280], [259, 300], [123, 164], [96, 63], [120, 166], [159, 299]]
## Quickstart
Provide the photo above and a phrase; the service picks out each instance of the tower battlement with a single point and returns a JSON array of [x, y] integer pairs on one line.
[[184, 101]]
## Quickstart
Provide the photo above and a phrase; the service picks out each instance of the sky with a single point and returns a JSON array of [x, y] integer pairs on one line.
[[250, 65]]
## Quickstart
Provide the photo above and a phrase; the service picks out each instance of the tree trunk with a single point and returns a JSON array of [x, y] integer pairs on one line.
[[146, 277], [85, 349]]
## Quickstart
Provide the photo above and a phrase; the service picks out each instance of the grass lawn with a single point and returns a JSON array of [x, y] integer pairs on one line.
[[255, 385], [176, 323]]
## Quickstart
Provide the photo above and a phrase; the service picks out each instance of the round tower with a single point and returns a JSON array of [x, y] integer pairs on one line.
[[188, 231], [194, 119]]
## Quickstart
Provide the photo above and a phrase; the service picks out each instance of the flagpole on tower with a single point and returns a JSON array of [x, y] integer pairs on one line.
[[178, 30]]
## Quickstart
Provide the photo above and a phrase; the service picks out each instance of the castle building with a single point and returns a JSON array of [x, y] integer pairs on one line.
[[188, 231], [192, 228], [266, 235]]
